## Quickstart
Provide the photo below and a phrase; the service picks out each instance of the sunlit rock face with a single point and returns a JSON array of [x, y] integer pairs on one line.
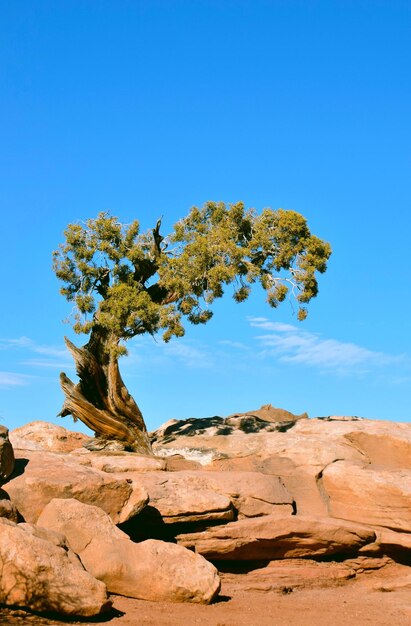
[[336, 467], [150, 570], [42, 435], [40, 476], [42, 576], [311, 502]]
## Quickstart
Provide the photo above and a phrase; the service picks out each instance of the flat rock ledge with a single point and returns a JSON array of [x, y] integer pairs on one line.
[[270, 537]]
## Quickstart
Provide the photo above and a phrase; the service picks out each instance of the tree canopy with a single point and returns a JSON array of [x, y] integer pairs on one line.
[[124, 283], [130, 282]]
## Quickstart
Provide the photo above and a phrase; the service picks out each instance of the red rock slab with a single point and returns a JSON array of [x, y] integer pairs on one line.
[[270, 538], [41, 476], [187, 495], [370, 495]]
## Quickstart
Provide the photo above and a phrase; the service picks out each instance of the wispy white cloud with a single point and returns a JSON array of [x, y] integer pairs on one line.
[[48, 363], [53, 356], [265, 324], [294, 345], [191, 354], [237, 345], [11, 379], [32, 346]]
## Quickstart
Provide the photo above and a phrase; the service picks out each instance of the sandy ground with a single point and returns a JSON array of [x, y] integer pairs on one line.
[[325, 607], [355, 603]]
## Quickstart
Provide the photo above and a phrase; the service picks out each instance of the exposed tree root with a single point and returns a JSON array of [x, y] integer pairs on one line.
[[101, 400]]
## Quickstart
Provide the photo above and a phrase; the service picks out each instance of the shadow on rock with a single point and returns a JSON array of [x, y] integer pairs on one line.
[[21, 617], [19, 468], [267, 418]]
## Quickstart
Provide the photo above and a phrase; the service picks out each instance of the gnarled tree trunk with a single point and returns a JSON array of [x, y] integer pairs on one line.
[[101, 400]]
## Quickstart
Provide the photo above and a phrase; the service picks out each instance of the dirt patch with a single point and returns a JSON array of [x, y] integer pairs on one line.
[[247, 600]]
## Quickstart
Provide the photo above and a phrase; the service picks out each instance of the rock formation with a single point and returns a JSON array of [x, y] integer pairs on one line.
[[281, 493], [41, 476], [151, 570]]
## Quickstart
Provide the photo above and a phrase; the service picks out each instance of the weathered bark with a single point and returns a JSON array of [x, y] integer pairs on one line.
[[100, 399]]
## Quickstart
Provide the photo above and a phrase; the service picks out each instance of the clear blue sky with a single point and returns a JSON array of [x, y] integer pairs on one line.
[[148, 107]]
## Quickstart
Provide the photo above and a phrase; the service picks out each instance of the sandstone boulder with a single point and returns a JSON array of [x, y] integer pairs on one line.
[[46, 436], [6, 455], [363, 493], [39, 575], [301, 481], [270, 537], [199, 496], [151, 570], [176, 498], [41, 476], [178, 501]]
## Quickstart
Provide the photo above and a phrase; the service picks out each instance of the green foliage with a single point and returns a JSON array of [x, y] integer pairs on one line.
[[130, 283]]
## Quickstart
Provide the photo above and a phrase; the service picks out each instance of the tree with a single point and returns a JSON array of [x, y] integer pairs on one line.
[[125, 283]]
